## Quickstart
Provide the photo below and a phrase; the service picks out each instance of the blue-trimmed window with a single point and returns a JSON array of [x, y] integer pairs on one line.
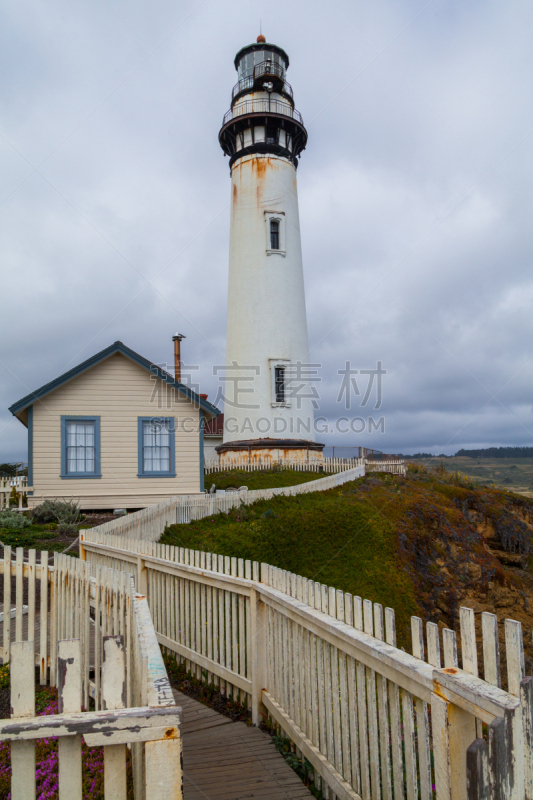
[[80, 447], [156, 447]]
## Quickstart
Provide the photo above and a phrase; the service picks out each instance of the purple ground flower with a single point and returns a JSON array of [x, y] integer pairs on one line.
[[46, 754]]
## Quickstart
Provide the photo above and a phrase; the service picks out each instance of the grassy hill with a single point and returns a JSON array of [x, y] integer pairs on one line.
[[260, 479], [424, 544]]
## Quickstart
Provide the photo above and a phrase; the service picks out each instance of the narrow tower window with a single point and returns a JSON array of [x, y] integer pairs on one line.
[[279, 378], [271, 135], [274, 236]]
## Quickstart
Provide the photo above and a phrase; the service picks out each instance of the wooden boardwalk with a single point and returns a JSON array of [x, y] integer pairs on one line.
[[225, 760]]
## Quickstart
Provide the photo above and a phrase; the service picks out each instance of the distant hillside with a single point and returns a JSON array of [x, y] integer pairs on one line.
[[498, 452], [424, 455]]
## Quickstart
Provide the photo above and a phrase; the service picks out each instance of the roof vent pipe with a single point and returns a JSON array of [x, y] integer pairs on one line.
[[177, 355]]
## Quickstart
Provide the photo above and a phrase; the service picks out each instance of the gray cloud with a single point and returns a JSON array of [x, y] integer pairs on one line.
[[415, 198]]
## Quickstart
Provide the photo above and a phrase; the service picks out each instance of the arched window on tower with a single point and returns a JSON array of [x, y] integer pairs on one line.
[[274, 234]]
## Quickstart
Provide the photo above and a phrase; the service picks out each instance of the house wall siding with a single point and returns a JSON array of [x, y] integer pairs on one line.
[[118, 391], [210, 443]]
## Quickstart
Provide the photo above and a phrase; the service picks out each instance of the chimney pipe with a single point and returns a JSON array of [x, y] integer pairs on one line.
[[177, 355]]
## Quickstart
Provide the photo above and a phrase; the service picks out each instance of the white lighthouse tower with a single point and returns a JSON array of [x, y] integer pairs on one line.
[[268, 410]]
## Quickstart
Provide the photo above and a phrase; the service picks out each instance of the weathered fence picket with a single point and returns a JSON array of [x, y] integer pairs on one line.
[[23, 706], [69, 701], [7, 605], [114, 696]]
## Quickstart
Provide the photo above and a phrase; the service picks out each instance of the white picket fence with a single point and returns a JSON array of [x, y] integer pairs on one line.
[[92, 637], [394, 467], [6, 487], [149, 523], [248, 464], [375, 722]]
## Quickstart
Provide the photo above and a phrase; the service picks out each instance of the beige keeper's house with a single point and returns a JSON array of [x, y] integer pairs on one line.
[[114, 432]]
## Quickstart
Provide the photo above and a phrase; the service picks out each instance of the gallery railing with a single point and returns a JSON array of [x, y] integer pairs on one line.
[[260, 106]]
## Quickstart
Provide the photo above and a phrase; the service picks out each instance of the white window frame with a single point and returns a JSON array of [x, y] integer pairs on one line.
[[282, 363], [279, 217]]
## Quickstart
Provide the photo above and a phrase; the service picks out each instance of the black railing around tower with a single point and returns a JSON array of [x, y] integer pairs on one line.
[[247, 85], [258, 106], [269, 68]]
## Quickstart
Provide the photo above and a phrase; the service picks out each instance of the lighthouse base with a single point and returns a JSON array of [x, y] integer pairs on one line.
[[269, 452]]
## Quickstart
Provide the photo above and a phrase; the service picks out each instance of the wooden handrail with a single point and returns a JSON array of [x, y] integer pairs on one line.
[[99, 728]]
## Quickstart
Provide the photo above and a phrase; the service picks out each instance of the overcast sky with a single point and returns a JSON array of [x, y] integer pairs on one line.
[[415, 199]]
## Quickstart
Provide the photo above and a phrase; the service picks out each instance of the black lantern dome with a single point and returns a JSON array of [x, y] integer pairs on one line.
[[262, 117]]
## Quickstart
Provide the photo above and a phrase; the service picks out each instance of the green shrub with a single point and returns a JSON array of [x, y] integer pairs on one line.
[[13, 520], [45, 512], [68, 528], [30, 538], [62, 511], [68, 513]]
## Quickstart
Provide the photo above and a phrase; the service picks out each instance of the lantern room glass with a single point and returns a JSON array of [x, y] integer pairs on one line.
[[250, 60]]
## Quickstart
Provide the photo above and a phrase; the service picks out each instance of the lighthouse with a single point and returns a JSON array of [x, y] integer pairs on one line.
[[269, 393]]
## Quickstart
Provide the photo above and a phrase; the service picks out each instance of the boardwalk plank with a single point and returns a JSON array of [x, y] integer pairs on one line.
[[225, 760]]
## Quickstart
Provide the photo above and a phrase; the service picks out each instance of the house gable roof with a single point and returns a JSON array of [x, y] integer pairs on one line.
[[116, 347]]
